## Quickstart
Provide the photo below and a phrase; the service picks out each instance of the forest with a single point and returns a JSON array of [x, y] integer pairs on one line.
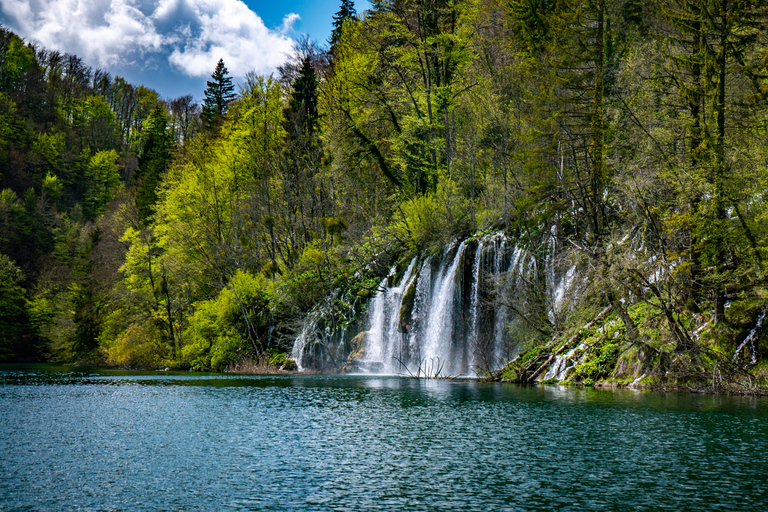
[[143, 232]]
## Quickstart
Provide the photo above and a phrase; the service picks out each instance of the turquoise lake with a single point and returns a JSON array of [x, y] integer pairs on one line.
[[82, 439]]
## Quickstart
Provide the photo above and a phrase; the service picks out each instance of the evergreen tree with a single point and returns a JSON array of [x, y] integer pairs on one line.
[[532, 22], [155, 156], [301, 115], [717, 53], [11, 308], [218, 95], [346, 11], [302, 159]]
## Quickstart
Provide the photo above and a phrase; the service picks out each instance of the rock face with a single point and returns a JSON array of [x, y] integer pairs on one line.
[[356, 362], [358, 344], [405, 320], [356, 355], [324, 343]]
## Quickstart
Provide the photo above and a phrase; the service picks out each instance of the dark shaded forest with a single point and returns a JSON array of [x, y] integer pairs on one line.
[[142, 232]]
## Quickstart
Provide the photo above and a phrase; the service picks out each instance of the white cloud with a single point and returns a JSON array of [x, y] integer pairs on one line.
[[288, 21], [190, 35]]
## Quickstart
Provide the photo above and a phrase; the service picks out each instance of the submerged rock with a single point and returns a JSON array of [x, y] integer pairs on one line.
[[362, 366]]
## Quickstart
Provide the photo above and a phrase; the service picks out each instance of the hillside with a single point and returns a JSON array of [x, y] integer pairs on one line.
[[617, 147]]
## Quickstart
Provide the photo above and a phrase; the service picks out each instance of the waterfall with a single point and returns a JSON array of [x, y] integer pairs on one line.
[[475, 305], [300, 344], [501, 343], [383, 338], [438, 332], [323, 338], [438, 320], [750, 341], [450, 314]]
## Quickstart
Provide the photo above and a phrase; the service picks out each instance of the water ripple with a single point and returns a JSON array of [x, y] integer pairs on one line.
[[97, 440]]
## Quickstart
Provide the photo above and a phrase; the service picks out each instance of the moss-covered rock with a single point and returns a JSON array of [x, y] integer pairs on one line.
[[405, 320]]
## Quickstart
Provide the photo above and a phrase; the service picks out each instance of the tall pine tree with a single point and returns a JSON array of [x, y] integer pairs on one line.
[[716, 50], [218, 95], [301, 114], [346, 12]]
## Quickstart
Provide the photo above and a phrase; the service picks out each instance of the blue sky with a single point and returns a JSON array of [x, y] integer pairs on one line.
[[172, 46]]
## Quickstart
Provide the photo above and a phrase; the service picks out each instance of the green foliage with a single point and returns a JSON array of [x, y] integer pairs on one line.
[[572, 126], [52, 187], [598, 365], [277, 358], [532, 20], [427, 222], [219, 329], [11, 308], [301, 113], [85, 316], [154, 160], [138, 346], [95, 122], [511, 372], [16, 60], [103, 181], [213, 340], [50, 147], [345, 13]]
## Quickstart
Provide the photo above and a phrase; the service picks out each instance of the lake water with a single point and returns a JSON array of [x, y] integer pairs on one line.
[[110, 440]]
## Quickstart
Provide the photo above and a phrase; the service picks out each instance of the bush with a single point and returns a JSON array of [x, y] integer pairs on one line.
[[427, 222], [216, 334], [139, 346], [277, 358]]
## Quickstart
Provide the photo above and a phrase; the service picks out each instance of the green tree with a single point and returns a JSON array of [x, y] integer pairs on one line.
[[301, 113], [154, 159], [718, 52], [399, 75], [532, 22], [94, 122], [15, 59], [218, 96], [103, 175], [11, 309], [346, 12]]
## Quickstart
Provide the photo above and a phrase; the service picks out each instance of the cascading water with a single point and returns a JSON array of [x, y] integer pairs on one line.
[[323, 337], [476, 268], [437, 351], [433, 323], [381, 342], [448, 315], [749, 342]]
